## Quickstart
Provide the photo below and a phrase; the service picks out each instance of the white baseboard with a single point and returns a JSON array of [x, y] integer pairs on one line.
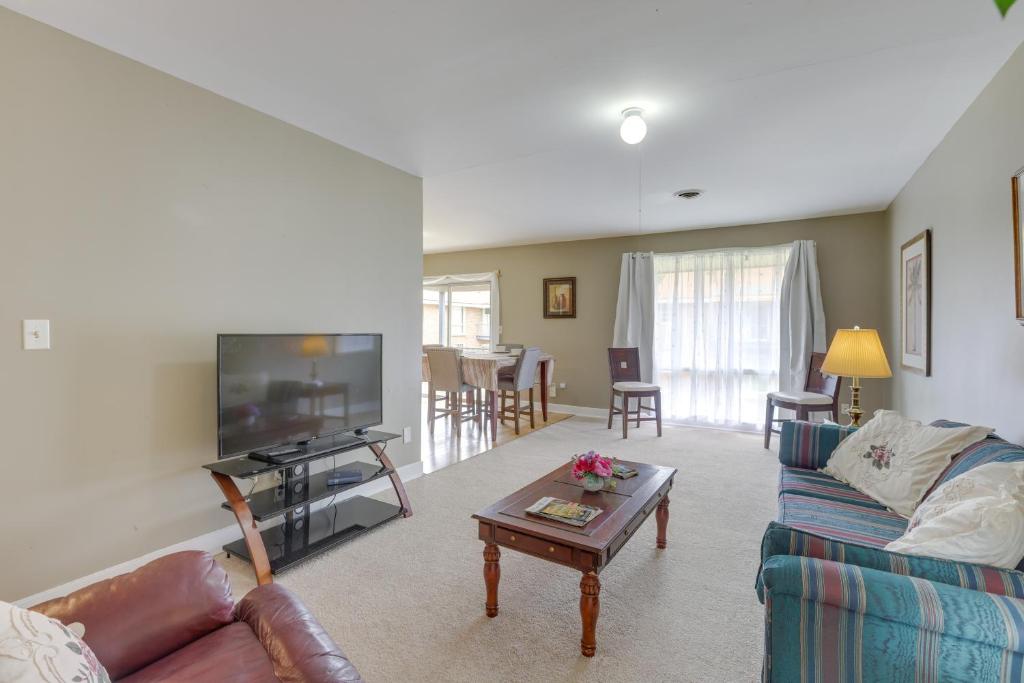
[[582, 411], [210, 542]]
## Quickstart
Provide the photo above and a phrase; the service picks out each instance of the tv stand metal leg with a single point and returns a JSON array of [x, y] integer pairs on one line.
[[253, 540], [396, 481]]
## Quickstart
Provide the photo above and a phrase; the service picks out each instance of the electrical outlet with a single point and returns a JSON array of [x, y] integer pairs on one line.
[[407, 435], [843, 407], [561, 385], [35, 335]]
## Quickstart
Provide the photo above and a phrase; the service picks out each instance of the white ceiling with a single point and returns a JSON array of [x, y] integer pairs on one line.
[[510, 110]]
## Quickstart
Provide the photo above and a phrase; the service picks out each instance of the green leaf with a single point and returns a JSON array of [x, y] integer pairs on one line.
[[1004, 6]]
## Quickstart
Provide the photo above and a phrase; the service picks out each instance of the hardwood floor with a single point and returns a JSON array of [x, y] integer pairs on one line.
[[443, 447]]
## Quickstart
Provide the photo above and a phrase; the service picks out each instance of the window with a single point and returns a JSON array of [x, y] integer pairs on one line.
[[716, 333], [458, 321], [457, 314]]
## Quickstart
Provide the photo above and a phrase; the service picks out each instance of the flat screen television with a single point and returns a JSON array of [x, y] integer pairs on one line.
[[275, 389]]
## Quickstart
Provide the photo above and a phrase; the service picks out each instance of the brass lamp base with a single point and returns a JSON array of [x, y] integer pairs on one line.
[[854, 411]]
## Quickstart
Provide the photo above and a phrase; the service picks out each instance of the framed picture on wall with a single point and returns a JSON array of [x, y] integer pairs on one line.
[[559, 297], [1018, 240], [916, 303]]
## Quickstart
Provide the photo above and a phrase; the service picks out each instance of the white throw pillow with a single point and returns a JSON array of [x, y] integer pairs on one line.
[[896, 460], [976, 517], [37, 649]]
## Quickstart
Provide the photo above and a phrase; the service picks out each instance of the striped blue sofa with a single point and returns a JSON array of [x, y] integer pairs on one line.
[[840, 608]]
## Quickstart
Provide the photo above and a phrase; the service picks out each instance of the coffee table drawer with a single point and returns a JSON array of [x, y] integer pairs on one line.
[[533, 545]]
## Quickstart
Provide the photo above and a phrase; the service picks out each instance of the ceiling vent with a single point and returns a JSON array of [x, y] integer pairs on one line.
[[689, 194]]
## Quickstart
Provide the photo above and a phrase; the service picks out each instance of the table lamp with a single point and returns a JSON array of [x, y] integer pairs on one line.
[[314, 347], [855, 354]]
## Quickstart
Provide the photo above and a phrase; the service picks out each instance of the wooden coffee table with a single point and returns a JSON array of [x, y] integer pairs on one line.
[[588, 549]]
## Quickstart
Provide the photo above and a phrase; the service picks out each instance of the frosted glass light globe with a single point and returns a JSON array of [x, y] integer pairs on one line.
[[634, 128]]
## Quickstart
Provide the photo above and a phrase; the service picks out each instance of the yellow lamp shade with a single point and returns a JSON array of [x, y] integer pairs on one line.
[[314, 346], [856, 353]]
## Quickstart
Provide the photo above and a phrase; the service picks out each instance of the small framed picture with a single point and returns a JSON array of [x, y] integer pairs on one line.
[[1017, 198], [559, 297], [916, 303]]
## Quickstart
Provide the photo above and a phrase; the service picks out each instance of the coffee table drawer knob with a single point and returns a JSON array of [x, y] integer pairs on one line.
[[512, 537], [551, 548]]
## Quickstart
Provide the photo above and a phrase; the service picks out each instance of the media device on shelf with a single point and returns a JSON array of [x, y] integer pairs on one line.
[[284, 397]]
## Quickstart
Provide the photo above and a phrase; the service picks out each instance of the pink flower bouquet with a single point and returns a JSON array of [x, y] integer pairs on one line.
[[593, 469]]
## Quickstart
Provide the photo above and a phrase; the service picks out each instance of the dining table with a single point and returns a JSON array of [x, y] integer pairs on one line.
[[480, 369]]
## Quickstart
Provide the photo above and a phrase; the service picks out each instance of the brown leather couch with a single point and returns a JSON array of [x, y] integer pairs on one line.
[[174, 620]]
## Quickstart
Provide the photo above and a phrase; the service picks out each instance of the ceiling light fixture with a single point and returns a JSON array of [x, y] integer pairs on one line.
[[689, 194], [634, 128]]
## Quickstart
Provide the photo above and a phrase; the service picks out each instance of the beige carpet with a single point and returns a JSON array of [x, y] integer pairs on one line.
[[406, 602]]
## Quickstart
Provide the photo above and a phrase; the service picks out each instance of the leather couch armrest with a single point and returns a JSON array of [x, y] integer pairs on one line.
[[297, 644], [134, 619]]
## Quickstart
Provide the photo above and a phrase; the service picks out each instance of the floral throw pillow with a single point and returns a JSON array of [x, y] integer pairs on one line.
[[37, 649], [896, 460]]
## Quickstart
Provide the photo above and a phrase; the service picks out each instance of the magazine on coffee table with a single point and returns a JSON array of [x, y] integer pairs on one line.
[[576, 514]]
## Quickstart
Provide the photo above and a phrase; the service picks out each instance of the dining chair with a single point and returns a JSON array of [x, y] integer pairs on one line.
[[624, 369], [509, 370], [445, 367], [523, 375], [820, 395], [443, 398]]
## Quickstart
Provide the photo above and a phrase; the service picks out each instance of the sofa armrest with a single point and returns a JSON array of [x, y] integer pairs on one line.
[[300, 649], [809, 445], [134, 619], [838, 621], [780, 539]]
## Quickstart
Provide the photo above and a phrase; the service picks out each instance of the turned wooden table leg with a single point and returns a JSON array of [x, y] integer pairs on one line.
[[590, 605], [492, 573], [662, 518]]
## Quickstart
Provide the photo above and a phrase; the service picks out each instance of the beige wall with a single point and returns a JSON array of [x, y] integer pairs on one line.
[[962, 192], [143, 215], [852, 274]]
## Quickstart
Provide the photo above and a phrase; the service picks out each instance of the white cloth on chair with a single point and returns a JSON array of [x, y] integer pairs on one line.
[[806, 398], [634, 386]]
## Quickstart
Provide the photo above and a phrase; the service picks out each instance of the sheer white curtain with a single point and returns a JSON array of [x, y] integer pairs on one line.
[[634, 314], [803, 316], [716, 333]]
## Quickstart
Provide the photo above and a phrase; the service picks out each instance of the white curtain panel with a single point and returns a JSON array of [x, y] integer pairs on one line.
[[802, 326], [634, 314], [716, 341], [474, 278]]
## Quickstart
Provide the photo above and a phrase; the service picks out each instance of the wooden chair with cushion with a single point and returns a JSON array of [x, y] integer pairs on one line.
[[624, 368], [523, 375], [820, 395], [446, 375]]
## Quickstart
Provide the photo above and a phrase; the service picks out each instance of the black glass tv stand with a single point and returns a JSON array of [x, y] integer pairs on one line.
[[304, 533]]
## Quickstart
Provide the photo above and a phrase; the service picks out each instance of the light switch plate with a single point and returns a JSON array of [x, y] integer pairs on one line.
[[35, 334], [407, 435]]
